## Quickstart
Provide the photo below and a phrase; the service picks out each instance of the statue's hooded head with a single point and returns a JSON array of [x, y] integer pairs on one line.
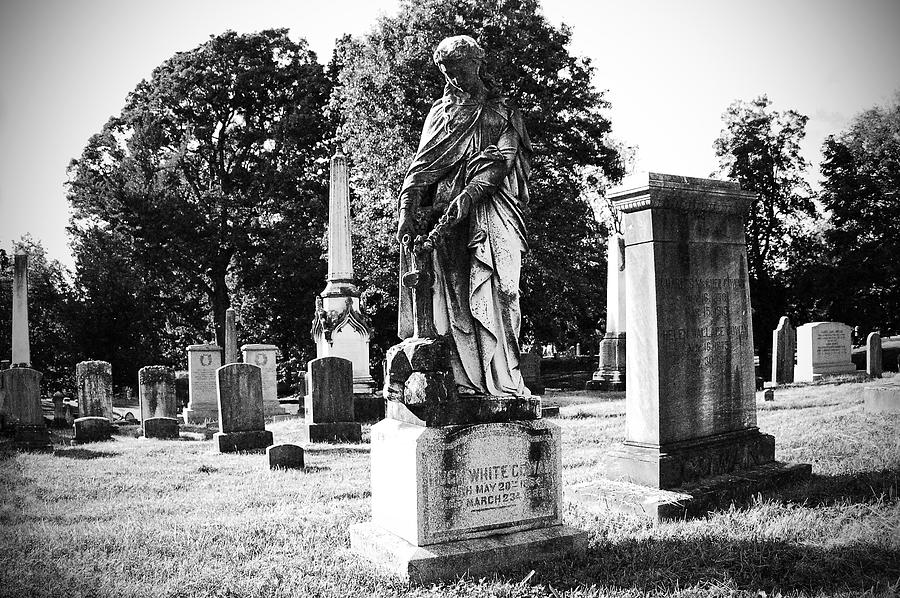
[[459, 58]]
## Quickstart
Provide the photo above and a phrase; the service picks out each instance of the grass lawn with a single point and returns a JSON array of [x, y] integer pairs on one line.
[[171, 518]]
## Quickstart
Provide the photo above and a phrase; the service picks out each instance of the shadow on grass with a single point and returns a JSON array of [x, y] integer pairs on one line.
[[84, 454], [668, 565], [857, 487]]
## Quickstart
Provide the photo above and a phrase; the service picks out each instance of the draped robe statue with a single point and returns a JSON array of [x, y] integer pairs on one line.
[[473, 161]]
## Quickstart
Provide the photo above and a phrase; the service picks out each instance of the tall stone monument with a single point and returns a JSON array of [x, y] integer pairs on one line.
[[203, 361], [690, 407], [339, 327], [465, 474], [242, 425], [784, 346], [610, 374], [20, 386], [823, 349], [266, 357]]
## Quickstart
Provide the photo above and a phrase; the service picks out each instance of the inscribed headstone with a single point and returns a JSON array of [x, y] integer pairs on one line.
[[784, 345], [203, 361], [266, 357], [823, 349], [95, 390], [241, 420]]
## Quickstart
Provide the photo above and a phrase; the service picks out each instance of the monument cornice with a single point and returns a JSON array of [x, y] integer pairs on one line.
[[653, 190]]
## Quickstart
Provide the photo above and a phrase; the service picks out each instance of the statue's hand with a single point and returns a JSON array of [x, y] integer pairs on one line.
[[406, 229], [459, 208]]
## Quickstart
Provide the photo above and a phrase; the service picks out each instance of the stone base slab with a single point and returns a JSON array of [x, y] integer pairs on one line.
[[333, 432], [31, 438], [672, 465], [199, 416], [161, 427], [881, 399], [234, 442], [91, 429], [452, 560], [817, 372], [689, 501], [613, 381]]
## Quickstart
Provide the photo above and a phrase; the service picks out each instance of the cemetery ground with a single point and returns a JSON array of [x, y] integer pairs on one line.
[[132, 517]]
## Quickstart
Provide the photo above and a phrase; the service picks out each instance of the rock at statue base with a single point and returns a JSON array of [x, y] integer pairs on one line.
[[241, 420], [447, 501], [20, 392], [165, 428], [329, 405], [285, 456], [92, 429]]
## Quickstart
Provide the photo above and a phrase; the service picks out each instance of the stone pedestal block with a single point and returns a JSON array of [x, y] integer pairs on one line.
[[610, 375], [254, 441], [285, 456], [333, 432], [20, 400], [161, 427], [31, 438], [92, 429]]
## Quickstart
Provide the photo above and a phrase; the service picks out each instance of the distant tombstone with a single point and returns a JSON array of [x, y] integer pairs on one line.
[[882, 399], [59, 410], [203, 361], [95, 390], [285, 456], [784, 345], [91, 429], [266, 357], [328, 406], [242, 425], [160, 427], [20, 393], [156, 390], [4, 364], [530, 366], [873, 355], [769, 394], [823, 349]]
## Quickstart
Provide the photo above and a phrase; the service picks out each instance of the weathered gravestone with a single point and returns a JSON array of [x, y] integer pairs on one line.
[[285, 456], [265, 356], [690, 393], [203, 361], [59, 410], [328, 405], [823, 349], [873, 355], [530, 366], [465, 474], [242, 426], [91, 429], [159, 407], [93, 379], [784, 345]]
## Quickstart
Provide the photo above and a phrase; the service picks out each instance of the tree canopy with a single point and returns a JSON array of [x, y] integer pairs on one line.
[[385, 87]]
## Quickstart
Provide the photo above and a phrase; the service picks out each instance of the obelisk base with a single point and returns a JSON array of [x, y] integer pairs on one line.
[[610, 375]]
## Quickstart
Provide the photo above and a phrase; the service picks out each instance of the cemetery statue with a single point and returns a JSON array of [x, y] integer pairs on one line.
[[460, 216]]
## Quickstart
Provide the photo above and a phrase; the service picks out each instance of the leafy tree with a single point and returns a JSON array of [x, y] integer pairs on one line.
[[851, 263], [50, 309], [760, 148], [384, 90], [208, 159]]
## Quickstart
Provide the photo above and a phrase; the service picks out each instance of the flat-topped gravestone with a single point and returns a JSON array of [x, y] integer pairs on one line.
[[873, 355], [93, 380], [91, 429], [242, 426], [160, 427], [328, 405], [156, 390], [265, 356], [823, 349], [784, 345], [690, 410], [20, 392], [285, 456], [203, 361]]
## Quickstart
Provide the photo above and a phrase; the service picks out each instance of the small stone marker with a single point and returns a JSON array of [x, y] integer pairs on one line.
[[156, 389], [285, 456], [265, 356], [241, 422], [328, 405], [823, 349], [59, 411], [95, 391], [203, 361], [873, 355], [769, 394], [784, 345], [530, 366], [160, 427], [91, 429]]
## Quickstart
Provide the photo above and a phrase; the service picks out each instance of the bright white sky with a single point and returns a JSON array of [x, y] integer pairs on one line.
[[670, 68]]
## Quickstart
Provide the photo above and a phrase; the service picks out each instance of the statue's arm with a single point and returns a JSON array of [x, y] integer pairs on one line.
[[492, 166]]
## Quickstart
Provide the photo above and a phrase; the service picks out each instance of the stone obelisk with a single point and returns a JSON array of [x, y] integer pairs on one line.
[[20, 386], [339, 328], [21, 347], [231, 344], [610, 374]]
